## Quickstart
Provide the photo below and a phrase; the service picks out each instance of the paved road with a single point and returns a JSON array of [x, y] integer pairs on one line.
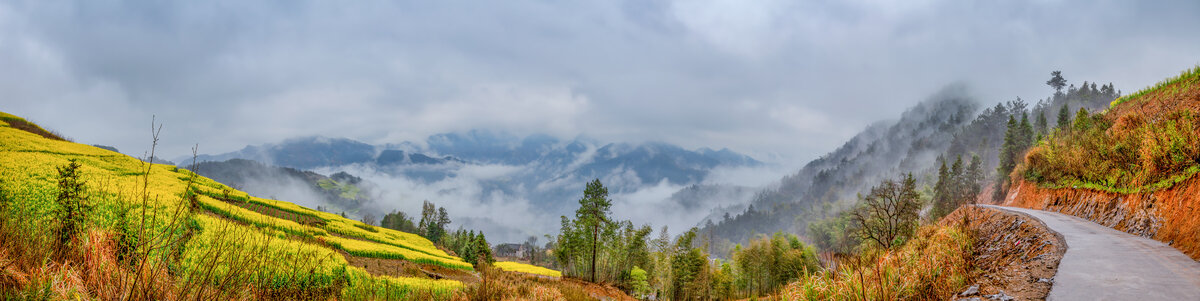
[[1102, 263]]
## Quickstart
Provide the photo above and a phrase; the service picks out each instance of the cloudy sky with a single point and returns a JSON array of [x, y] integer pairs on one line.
[[781, 80]]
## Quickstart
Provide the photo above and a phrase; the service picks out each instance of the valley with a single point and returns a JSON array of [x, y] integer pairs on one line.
[[668, 150]]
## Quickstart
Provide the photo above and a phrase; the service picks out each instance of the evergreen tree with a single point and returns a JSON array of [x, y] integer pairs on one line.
[[1056, 81], [1026, 135], [1082, 120], [1040, 125], [958, 183], [483, 250], [941, 192], [1007, 153], [1064, 118], [974, 177], [72, 200], [592, 214]]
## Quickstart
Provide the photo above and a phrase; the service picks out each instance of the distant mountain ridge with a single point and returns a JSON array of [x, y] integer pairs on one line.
[[477, 167]]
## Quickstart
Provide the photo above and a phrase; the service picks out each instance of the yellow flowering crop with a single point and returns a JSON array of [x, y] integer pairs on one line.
[[525, 268], [121, 192], [377, 250]]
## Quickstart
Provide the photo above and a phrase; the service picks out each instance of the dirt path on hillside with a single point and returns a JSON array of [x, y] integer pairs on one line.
[[1105, 264]]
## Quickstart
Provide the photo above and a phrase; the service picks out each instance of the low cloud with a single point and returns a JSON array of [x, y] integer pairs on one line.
[[773, 79]]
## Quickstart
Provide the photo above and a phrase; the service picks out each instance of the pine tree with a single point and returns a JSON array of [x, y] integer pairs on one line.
[[1041, 126], [1026, 135], [941, 195], [1082, 120], [592, 214], [1056, 81], [1007, 154], [1064, 118], [437, 225], [974, 177], [483, 250], [73, 202]]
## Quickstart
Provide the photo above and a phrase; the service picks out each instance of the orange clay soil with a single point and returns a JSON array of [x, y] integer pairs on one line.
[[1170, 215], [1014, 253]]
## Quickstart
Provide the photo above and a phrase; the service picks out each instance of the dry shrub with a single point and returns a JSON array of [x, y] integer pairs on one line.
[[934, 266]]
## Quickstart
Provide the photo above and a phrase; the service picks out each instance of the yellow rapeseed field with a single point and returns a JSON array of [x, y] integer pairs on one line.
[[525, 268], [281, 252]]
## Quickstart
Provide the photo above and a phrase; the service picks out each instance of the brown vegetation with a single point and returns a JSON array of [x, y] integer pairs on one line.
[[1132, 168], [503, 285], [1014, 253], [21, 124]]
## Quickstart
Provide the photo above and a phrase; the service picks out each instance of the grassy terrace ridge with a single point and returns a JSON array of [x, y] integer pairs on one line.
[[526, 268], [1188, 79], [114, 185], [1146, 141], [334, 224]]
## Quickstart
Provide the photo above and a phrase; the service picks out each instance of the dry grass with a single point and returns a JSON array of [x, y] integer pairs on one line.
[[935, 265], [498, 284], [1012, 251]]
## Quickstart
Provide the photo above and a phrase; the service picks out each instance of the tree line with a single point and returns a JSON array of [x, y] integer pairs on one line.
[[594, 247]]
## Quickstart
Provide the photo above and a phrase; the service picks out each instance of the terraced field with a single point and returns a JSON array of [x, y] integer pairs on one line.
[[300, 244], [526, 268]]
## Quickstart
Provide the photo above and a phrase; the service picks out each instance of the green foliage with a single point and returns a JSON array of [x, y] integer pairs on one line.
[[581, 237], [687, 265], [956, 186], [641, 287], [1153, 143], [399, 221], [835, 233], [1132, 155], [770, 262], [1017, 139], [1064, 118], [433, 222], [888, 215], [1187, 80], [72, 200], [1056, 81], [163, 249]]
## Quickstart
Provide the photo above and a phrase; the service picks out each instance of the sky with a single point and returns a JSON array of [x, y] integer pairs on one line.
[[783, 81]]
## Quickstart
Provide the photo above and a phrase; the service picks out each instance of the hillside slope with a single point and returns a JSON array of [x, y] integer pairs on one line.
[[828, 184], [200, 232], [1132, 167]]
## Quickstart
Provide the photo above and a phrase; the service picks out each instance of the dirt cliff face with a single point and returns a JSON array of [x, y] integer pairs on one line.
[[1169, 215]]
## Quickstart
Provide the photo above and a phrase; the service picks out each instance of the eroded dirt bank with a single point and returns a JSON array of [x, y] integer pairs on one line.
[[1015, 255], [1170, 215]]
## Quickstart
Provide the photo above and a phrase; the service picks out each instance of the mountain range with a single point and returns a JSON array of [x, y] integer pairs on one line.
[[539, 176]]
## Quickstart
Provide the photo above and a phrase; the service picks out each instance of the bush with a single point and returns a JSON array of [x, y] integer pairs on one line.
[[71, 198], [1127, 155]]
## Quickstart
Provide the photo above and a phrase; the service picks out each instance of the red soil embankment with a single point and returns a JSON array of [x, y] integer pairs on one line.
[[1169, 215]]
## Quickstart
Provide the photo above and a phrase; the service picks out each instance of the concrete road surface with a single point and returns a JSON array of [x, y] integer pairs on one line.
[[1102, 263]]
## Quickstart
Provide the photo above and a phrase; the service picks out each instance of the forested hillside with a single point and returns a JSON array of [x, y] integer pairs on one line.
[[1132, 166], [940, 130]]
